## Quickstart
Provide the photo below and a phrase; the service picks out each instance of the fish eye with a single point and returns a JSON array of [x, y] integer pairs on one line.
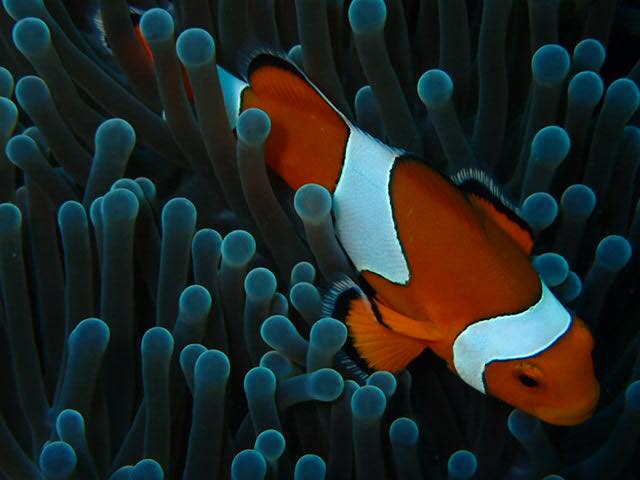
[[528, 381]]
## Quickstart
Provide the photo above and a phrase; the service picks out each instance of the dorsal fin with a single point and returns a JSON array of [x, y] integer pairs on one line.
[[487, 197]]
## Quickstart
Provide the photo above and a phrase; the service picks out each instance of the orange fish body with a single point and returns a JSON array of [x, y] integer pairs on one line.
[[447, 259]]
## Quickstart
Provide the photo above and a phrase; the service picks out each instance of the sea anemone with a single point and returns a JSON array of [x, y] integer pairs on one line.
[[162, 293]]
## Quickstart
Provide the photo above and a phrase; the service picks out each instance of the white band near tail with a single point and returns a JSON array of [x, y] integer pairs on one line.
[[362, 208], [509, 337]]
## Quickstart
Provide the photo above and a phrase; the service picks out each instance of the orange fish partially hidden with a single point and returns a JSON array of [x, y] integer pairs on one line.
[[446, 259]]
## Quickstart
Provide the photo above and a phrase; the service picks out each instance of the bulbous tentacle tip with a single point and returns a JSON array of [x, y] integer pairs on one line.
[[148, 187], [248, 465], [259, 380], [115, 136], [539, 210], [367, 16], [10, 218], [195, 301], [296, 56], [302, 272], [550, 65], [310, 467], [328, 334], [385, 381], [132, 186], [195, 47], [22, 151], [623, 95], [521, 424], [632, 396], [404, 431], [303, 293], [123, 473], [69, 420], [18, 9], [260, 284], [578, 201], [90, 332], [95, 211], [31, 91], [435, 88], [238, 247], [325, 385], [312, 203], [254, 126], [156, 340], [364, 95], [178, 211], [72, 213], [147, 469], [571, 288], [8, 117], [271, 444], [368, 402], [191, 351], [280, 365], [550, 146], [586, 88], [589, 54], [6, 83], [208, 236], [276, 329], [462, 465], [157, 25], [32, 37], [119, 205], [58, 460], [613, 252], [36, 134], [212, 365], [188, 358], [553, 268]]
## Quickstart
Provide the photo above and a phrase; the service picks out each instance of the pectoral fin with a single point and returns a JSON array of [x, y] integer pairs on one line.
[[374, 340]]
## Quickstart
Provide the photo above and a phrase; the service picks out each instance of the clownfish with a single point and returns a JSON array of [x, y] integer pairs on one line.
[[444, 261]]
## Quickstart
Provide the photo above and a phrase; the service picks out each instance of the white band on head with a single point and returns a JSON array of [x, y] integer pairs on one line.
[[509, 337], [362, 208]]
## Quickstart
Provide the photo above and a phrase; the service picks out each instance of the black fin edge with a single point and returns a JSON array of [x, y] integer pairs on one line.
[[256, 55], [336, 305], [480, 183]]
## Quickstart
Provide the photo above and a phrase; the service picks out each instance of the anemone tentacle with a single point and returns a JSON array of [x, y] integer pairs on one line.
[[161, 294]]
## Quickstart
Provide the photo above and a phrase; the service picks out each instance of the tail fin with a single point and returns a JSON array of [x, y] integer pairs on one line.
[[308, 135]]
